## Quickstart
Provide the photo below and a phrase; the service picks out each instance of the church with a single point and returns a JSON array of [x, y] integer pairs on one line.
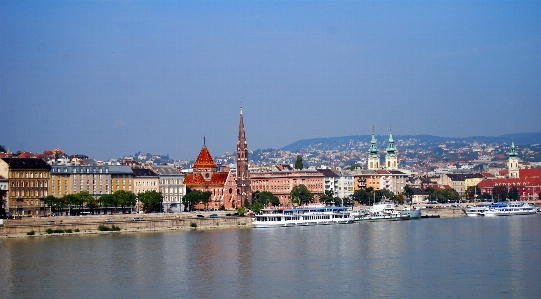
[[229, 188]]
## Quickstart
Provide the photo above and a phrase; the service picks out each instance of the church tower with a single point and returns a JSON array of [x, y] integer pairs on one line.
[[512, 163], [391, 161], [373, 154], [243, 175]]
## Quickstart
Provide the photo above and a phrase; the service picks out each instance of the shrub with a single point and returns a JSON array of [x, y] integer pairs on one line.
[[115, 228], [69, 231], [77, 230], [31, 233], [104, 228], [193, 224], [58, 231], [49, 231]]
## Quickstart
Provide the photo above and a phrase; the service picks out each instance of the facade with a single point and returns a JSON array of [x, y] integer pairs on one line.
[[172, 187], [95, 179], [345, 185], [220, 181], [144, 180], [28, 185], [528, 184], [457, 181], [392, 180], [3, 196], [373, 154], [280, 183], [512, 163], [331, 180], [243, 174], [391, 161]]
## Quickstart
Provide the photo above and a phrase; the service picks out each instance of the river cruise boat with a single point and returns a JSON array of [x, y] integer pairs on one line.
[[511, 209], [412, 212], [307, 216], [384, 211], [476, 211]]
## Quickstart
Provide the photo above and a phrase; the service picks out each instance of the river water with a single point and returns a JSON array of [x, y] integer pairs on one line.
[[498, 257]]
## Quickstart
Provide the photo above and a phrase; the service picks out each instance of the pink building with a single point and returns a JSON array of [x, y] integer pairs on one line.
[[280, 183]]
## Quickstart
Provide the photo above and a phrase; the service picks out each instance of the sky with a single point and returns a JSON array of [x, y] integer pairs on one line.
[[110, 78]]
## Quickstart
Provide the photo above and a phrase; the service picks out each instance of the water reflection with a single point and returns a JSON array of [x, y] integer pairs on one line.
[[467, 257]]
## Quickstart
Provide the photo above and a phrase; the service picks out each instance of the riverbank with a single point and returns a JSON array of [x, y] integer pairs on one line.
[[100, 224]]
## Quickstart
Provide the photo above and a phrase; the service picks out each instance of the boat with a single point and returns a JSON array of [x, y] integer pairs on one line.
[[476, 211], [383, 211], [509, 209], [412, 212], [307, 216]]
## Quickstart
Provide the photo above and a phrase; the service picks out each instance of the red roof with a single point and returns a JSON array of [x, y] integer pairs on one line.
[[219, 178], [204, 160], [533, 172]]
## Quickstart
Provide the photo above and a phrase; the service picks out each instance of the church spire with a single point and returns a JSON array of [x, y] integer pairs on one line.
[[373, 150], [243, 175], [390, 147]]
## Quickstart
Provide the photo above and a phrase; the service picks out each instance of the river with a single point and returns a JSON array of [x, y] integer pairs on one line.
[[498, 257]]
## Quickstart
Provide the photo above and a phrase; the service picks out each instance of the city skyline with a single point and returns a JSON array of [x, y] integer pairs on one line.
[[108, 78]]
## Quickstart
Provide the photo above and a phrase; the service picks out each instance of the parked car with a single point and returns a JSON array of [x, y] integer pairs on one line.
[[200, 216], [213, 215], [50, 222], [138, 219], [109, 220]]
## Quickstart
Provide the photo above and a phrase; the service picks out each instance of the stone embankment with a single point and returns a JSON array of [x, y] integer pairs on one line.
[[38, 226]]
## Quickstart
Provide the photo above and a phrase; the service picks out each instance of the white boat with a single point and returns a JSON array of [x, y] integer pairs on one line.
[[511, 209], [412, 212], [475, 211], [383, 211], [307, 216]]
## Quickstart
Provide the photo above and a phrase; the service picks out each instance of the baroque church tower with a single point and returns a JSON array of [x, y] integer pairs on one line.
[[512, 163], [373, 154], [243, 175], [391, 161]]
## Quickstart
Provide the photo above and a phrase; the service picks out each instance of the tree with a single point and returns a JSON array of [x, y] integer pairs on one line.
[[257, 207], [151, 200], [123, 198], [500, 192], [513, 193], [354, 166], [361, 196], [241, 211], [106, 200], [408, 192], [265, 198], [446, 195], [194, 197], [84, 197], [472, 191], [301, 195], [299, 165], [327, 198]]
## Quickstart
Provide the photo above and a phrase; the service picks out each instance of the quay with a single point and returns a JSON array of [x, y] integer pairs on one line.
[[14, 228]]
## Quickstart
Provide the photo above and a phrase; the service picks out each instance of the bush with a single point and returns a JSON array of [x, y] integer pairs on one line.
[[58, 231], [31, 233], [115, 228], [103, 228], [49, 231], [69, 231], [193, 224], [77, 230]]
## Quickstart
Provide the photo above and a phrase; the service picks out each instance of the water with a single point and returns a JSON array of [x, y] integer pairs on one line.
[[430, 258]]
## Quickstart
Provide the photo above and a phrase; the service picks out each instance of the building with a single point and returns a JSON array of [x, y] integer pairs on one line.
[[345, 185], [457, 181], [171, 187], [373, 154], [527, 182], [280, 183], [243, 174], [28, 185], [95, 179], [391, 161], [220, 181], [331, 180], [144, 180], [392, 180], [512, 162]]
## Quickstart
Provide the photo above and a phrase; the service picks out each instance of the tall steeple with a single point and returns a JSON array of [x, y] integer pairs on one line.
[[391, 161], [373, 153], [512, 162], [243, 175]]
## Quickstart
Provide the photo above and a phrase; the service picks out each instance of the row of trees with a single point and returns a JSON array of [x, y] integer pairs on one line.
[[151, 201]]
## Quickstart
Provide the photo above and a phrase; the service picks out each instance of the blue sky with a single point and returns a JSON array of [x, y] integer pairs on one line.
[[110, 78]]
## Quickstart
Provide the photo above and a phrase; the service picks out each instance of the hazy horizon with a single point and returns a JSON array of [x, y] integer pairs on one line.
[[107, 78]]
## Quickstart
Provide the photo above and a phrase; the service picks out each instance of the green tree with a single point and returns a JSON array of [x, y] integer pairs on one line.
[[446, 195], [472, 191], [194, 197], [123, 199], [361, 196], [151, 200], [299, 165], [265, 198], [354, 166], [257, 207], [500, 192], [241, 211], [106, 200], [84, 198], [301, 195], [408, 192], [513, 193], [327, 197]]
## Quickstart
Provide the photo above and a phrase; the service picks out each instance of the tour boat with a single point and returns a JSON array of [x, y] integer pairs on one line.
[[476, 211], [307, 216], [511, 209], [412, 212], [384, 211]]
